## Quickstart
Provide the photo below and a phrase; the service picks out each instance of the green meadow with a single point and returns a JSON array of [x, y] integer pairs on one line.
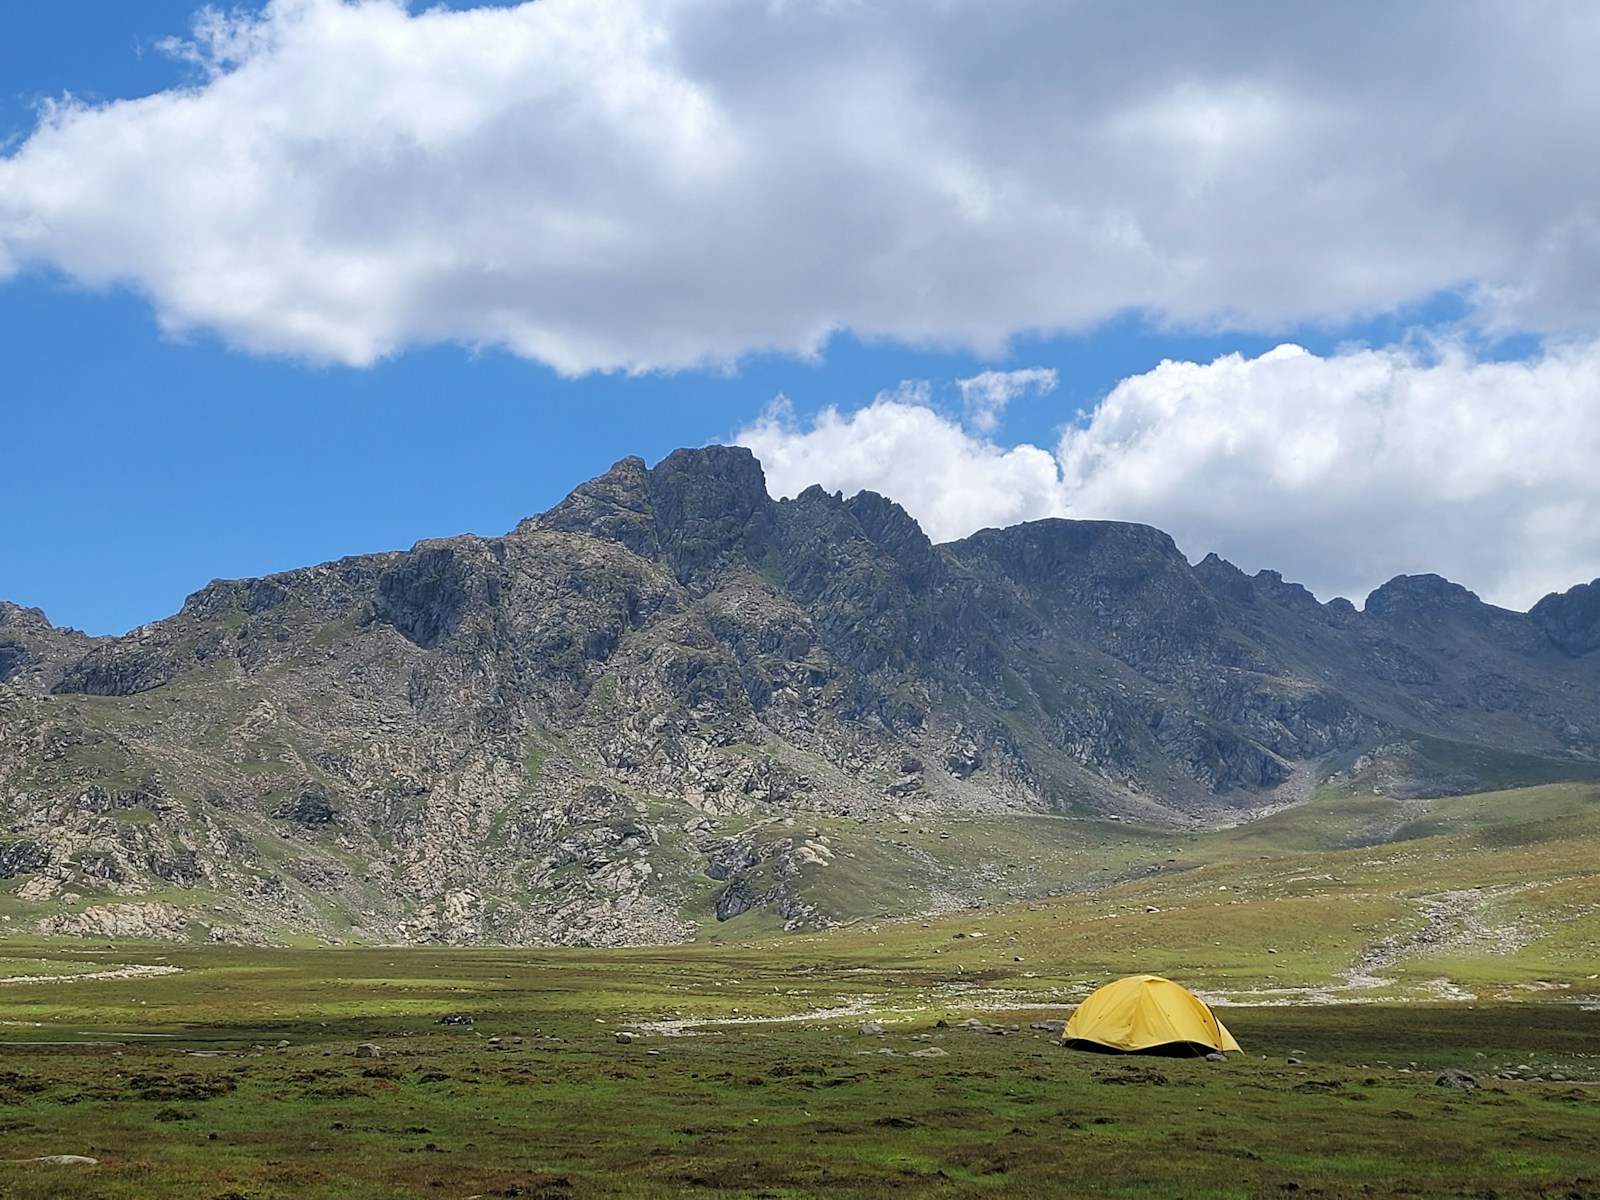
[[1355, 947]]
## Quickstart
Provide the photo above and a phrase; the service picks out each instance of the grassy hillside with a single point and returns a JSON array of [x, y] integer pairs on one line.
[[1368, 896]]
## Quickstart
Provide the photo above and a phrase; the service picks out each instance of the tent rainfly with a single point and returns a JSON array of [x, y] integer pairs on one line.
[[1146, 1014]]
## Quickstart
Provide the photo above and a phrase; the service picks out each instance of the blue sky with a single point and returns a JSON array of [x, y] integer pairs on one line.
[[180, 403]]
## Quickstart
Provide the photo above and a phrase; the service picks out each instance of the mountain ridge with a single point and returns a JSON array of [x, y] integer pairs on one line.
[[595, 727]]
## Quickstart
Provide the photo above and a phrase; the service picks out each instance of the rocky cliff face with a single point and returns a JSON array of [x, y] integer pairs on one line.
[[655, 707], [33, 652]]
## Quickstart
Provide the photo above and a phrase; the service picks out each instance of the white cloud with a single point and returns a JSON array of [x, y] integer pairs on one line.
[[949, 480], [987, 393], [605, 184], [1340, 471]]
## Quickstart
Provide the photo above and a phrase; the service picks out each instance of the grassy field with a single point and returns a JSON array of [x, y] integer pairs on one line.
[[1352, 969], [177, 1085]]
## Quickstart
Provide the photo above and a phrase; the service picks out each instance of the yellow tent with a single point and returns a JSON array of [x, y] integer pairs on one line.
[[1148, 1014]]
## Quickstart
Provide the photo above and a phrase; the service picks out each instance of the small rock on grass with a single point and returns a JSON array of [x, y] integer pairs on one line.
[[930, 1052], [868, 1028], [624, 1037], [368, 1050], [1453, 1078], [65, 1160]]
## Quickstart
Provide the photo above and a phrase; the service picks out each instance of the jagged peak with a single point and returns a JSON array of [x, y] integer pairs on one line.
[[1414, 593], [711, 506], [1222, 578], [885, 521], [1060, 535], [1586, 594], [1214, 561], [815, 494], [714, 458], [16, 614], [626, 480], [1283, 590], [615, 506], [644, 507], [1571, 619], [707, 481]]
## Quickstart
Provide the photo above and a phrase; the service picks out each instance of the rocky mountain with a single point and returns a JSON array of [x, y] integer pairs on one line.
[[672, 702]]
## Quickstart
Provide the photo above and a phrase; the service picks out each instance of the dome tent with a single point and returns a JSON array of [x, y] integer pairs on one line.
[[1146, 1014]]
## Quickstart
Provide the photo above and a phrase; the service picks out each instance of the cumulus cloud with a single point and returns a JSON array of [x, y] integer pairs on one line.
[[1340, 471], [951, 481], [629, 184], [987, 393]]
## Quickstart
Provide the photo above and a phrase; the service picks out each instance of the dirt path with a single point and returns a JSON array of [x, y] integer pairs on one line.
[[1454, 922]]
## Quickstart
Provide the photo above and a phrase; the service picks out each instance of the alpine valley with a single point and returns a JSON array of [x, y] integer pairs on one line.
[[672, 707]]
